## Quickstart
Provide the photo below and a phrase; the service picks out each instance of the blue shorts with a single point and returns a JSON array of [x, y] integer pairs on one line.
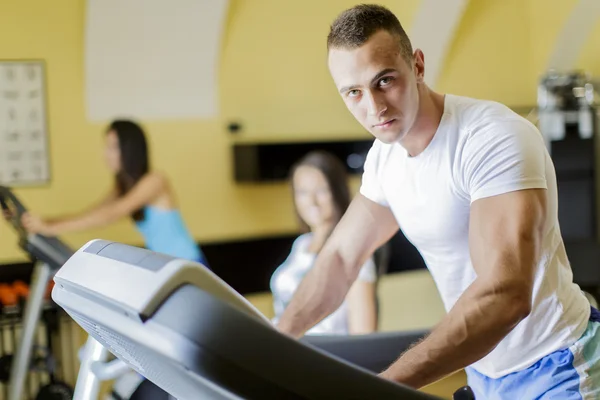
[[569, 374]]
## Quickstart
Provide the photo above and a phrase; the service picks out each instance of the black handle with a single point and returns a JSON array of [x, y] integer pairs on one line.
[[13, 210], [7, 196], [464, 393]]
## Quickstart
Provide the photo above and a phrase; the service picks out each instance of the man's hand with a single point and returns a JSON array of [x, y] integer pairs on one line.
[[364, 227], [505, 235]]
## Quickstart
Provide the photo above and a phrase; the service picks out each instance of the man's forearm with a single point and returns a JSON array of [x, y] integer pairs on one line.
[[320, 293], [476, 324]]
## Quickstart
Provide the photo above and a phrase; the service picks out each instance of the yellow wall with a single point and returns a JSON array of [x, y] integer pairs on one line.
[[547, 19], [273, 79], [489, 55], [274, 76], [590, 57]]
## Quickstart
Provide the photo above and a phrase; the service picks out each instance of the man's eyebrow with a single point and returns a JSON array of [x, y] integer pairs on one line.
[[348, 88], [375, 78], [382, 73]]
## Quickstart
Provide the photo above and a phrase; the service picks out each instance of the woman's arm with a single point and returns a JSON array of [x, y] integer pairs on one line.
[[327, 284], [110, 197], [109, 211], [362, 301], [362, 308]]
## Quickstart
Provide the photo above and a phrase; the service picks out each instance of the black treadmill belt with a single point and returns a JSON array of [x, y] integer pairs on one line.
[[374, 352]]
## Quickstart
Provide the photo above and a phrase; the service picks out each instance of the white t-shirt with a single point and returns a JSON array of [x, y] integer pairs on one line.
[[287, 278], [480, 149]]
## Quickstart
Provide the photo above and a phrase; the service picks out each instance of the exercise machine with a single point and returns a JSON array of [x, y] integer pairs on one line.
[[48, 255], [569, 120], [369, 352], [184, 329]]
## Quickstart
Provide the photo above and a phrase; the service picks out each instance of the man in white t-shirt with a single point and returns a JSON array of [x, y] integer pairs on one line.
[[471, 185]]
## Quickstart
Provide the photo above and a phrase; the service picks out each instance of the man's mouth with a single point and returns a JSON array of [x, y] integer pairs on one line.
[[385, 124]]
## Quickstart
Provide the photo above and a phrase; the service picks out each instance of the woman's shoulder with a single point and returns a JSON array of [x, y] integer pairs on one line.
[[158, 190], [158, 178], [159, 182], [299, 246], [302, 241]]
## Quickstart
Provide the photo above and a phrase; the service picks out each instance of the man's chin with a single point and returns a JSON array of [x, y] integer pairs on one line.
[[388, 137]]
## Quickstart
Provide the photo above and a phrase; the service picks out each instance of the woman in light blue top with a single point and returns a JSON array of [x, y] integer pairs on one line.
[[321, 196], [143, 195]]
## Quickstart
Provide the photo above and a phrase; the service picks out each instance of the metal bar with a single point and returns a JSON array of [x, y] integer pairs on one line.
[[33, 308], [88, 384]]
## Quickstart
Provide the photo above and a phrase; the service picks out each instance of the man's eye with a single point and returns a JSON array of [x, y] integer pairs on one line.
[[385, 81]]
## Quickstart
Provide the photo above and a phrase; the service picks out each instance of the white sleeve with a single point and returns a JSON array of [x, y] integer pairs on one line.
[[508, 157], [370, 185], [367, 272]]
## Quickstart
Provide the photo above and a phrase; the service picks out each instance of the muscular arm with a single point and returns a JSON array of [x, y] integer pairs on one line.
[[365, 226], [107, 212], [505, 237]]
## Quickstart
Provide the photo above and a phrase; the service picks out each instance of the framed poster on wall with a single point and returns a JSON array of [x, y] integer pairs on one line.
[[24, 150]]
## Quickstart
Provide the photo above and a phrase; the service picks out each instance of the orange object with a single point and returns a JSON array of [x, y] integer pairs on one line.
[[21, 289], [49, 289], [8, 297]]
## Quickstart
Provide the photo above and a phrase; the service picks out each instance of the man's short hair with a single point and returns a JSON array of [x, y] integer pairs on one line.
[[354, 26]]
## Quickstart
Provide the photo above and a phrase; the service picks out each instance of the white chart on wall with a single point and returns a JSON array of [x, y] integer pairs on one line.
[[24, 154]]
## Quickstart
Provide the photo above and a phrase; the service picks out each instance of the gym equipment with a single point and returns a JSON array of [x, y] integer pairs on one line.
[[373, 352], [568, 112], [567, 105], [48, 254], [177, 324], [55, 391], [568, 120]]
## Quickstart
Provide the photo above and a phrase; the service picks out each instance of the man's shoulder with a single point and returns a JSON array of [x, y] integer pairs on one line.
[[477, 116], [476, 112]]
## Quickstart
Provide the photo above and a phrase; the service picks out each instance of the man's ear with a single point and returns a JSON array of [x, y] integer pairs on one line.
[[419, 65]]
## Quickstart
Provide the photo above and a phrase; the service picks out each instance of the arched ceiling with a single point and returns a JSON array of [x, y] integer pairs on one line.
[[433, 30], [572, 37], [172, 51], [152, 59]]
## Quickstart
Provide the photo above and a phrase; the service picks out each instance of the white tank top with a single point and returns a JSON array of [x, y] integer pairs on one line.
[[287, 278]]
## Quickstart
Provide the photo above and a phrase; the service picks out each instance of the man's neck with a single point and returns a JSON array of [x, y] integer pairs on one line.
[[431, 108]]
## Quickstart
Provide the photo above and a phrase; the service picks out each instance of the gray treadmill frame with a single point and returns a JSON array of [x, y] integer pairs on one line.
[[214, 348], [43, 272], [49, 255]]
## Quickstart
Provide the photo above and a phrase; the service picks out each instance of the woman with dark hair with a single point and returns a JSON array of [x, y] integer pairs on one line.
[[143, 195], [321, 196]]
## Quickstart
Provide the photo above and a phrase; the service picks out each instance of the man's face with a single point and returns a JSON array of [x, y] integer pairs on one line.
[[378, 86]]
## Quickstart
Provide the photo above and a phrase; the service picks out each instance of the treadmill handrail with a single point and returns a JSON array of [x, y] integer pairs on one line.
[[50, 250], [6, 192]]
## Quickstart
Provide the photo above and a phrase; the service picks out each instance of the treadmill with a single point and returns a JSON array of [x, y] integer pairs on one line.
[[49, 254], [184, 329]]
